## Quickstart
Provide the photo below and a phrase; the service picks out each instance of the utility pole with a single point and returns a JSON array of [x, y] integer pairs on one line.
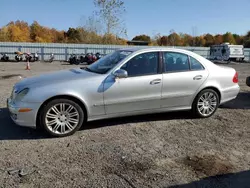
[[194, 34]]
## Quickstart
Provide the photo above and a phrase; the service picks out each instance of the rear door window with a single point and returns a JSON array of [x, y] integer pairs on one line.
[[175, 62]]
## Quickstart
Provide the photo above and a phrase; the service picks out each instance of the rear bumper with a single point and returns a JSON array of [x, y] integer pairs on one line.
[[25, 119], [230, 93]]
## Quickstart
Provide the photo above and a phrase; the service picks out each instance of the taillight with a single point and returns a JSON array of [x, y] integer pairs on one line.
[[235, 78]]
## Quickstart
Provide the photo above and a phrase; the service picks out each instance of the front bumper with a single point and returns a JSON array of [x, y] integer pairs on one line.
[[26, 119]]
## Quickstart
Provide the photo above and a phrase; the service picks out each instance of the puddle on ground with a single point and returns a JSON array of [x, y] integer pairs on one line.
[[9, 76]]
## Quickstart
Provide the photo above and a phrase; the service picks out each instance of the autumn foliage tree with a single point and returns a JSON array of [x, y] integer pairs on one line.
[[209, 40], [40, 33], [21, 31], [145, 38], [163, 41], [247, 40], [4, 36], [228, 37], [218, 39], [16, 32], [200, 41], [187, 40]]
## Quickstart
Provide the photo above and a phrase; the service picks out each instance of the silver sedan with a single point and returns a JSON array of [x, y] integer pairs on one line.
[[123, 83]]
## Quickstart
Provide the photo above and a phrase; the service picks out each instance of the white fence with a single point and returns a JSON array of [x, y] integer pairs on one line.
[[63, 50]]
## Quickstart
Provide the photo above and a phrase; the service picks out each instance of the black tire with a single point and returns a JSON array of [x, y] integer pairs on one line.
[[17, 59], [82, 59], [54, 102], [77, 62], [89, 62], [195, 108], [248, 81]]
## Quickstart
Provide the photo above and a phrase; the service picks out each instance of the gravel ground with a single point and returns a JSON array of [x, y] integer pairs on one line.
[[162, 150]]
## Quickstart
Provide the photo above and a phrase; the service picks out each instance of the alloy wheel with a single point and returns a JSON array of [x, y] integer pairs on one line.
[[62, 118], [207, 103]]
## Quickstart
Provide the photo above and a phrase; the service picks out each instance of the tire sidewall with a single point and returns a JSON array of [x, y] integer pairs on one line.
[[54, 102], [195, 106]]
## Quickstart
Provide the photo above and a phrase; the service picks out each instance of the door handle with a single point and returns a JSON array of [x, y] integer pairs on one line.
[[198, 77], [156, 81]]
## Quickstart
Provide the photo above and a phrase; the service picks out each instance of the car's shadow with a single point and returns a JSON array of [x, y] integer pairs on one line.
[[241, 102], [139, 119], [10, 131], [234, 180]]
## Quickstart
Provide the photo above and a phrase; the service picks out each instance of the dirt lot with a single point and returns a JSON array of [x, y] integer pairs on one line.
[[163, 150]]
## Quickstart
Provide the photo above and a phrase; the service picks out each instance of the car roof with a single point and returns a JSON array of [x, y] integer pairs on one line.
[[153, 48], [173, 49]]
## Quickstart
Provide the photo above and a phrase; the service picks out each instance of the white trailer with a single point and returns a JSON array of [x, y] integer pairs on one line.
[[227, 52]]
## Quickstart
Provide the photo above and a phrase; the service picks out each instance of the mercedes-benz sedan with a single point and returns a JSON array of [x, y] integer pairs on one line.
[[123, 83]]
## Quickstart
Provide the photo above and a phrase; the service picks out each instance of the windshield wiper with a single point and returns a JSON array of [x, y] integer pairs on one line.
[[86, 68]]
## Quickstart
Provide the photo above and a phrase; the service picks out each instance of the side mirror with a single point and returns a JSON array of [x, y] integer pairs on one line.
[[120, 73]]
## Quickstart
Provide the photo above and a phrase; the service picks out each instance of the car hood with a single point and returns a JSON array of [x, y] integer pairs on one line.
[[54, 77]]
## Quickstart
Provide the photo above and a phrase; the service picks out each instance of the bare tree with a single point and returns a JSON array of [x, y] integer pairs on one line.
[[111, 12], [93, 24]]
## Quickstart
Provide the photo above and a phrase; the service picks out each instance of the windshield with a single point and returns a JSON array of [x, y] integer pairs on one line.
[[108, 62]]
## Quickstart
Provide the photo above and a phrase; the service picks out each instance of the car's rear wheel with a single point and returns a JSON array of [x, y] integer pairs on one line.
[[206, 103], [61, 117]]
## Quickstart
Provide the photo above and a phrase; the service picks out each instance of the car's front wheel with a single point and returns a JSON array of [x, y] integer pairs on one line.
[[61, 117], [206, 103]]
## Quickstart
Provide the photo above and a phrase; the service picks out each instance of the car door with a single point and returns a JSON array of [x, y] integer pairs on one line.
[[182, 77], [141, 90]]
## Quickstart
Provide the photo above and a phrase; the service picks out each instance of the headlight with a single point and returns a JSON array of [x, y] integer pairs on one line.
[[21, 94]]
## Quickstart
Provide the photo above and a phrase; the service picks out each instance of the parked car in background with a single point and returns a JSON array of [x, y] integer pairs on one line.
[[227, 52], [123, 83]]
